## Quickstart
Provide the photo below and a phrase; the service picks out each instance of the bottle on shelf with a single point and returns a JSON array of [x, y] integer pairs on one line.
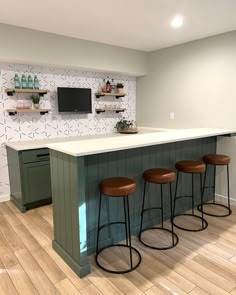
[[104, 86], [113, 86], [24, 82], [99, 88], [108, 85], [30, 82], [36, 82], [17, 82]]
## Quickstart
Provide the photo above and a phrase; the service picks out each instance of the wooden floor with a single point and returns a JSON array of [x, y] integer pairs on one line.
[[202, 263]]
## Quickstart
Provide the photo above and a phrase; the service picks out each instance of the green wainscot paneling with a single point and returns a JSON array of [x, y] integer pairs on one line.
[[75, 194]]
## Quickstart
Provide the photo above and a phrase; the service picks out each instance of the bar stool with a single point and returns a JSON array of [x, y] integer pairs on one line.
[[118, 187], [216, 160], [158, 176], [192, 167]]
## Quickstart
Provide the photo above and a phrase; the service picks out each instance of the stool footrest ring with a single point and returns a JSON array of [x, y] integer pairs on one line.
[[215, 204], [110, 223], [148, 209], [159, 248], [205, 223], [119, 271], [181, 197]]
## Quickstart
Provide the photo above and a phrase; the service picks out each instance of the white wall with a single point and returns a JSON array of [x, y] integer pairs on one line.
[[196, 81], [25, 46]]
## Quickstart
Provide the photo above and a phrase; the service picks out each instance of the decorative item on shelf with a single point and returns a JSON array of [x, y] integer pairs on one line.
[[17, 82], [36, 82], [104, 89], [126, 126], [19, 105], [35, 99], [30, 82], [99, 88], [23, 82], [120, 87], [27, 105], [108, 86], [113, 86]]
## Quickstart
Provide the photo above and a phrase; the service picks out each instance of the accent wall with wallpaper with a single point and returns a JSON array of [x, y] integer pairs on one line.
[[33, 126]]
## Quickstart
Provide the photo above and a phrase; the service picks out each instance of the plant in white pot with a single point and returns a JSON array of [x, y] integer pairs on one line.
[[35, 100], [120, 87], [126, 126]]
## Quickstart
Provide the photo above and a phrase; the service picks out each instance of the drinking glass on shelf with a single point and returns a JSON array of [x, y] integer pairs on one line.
[[27, 104], [19, 104]]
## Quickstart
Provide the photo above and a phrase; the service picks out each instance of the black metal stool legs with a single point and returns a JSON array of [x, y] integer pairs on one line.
[[175, 238], [128, 244], [201, 206], [99, 215], [204, 223], [228, 190], [129, 233]]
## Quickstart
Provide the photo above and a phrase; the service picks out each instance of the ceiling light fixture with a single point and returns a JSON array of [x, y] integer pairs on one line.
[[177, 22]]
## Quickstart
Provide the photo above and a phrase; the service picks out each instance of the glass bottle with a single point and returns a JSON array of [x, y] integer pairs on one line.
[[104, 86], [36, 82], [23, 82], [108, 85], [30, 82], [17, 82], [113, 86], [99, 88]]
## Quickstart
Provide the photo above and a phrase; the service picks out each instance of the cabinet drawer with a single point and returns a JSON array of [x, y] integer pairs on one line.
[[35, 155]]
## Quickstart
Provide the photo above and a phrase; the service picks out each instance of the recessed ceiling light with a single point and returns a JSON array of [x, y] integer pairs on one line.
[[177, 22]]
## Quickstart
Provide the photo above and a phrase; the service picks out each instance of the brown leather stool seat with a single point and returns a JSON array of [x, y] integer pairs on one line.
[[117, 186], [120, 187], [159, 175], [188, 166], [162, 177], [216, 159], [193, 168]]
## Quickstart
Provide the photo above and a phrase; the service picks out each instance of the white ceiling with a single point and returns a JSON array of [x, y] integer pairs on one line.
[[137, 24]]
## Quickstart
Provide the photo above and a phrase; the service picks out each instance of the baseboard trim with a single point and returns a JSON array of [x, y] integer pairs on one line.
[[224, 200], [80, 270], [4, 198]]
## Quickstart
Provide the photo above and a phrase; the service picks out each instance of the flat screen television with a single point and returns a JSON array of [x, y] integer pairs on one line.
[[74, 100]]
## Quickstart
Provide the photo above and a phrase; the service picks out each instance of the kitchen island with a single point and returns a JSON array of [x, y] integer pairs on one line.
[[77, 167]]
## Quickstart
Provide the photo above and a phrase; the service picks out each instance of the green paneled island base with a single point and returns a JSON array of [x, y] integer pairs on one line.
[[77, 168]]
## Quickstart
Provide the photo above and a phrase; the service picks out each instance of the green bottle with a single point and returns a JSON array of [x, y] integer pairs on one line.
[[36, 82], [30, 82], [16, 81], [23, 82]]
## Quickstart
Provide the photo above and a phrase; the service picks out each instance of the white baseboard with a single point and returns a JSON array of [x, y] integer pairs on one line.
[[4, 198], [224, 200]]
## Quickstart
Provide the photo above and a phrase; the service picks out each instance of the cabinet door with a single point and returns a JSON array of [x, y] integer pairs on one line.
[[37, 182]]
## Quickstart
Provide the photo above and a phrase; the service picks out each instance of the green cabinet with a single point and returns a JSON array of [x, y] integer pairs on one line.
[[30, 180]]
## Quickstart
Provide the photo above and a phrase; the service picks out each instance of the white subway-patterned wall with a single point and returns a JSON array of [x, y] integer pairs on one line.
[[33, 126]]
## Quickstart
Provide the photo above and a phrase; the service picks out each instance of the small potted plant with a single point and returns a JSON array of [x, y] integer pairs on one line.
[[120, 87], [126, 126], [35, 99]]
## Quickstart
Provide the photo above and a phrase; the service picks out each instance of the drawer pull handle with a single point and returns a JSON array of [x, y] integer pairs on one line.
[[42, 155]]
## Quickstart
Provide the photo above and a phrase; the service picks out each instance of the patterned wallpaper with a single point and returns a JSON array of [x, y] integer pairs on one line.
[[31, 126]]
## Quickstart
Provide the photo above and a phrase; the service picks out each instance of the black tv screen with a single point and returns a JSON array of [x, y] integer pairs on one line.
[[74, 100]]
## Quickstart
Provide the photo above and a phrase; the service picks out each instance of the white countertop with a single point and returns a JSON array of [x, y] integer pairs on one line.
[[42, 143], [115, 143]]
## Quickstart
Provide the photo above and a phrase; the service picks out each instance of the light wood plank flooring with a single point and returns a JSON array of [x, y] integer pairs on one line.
[[202, 263]]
